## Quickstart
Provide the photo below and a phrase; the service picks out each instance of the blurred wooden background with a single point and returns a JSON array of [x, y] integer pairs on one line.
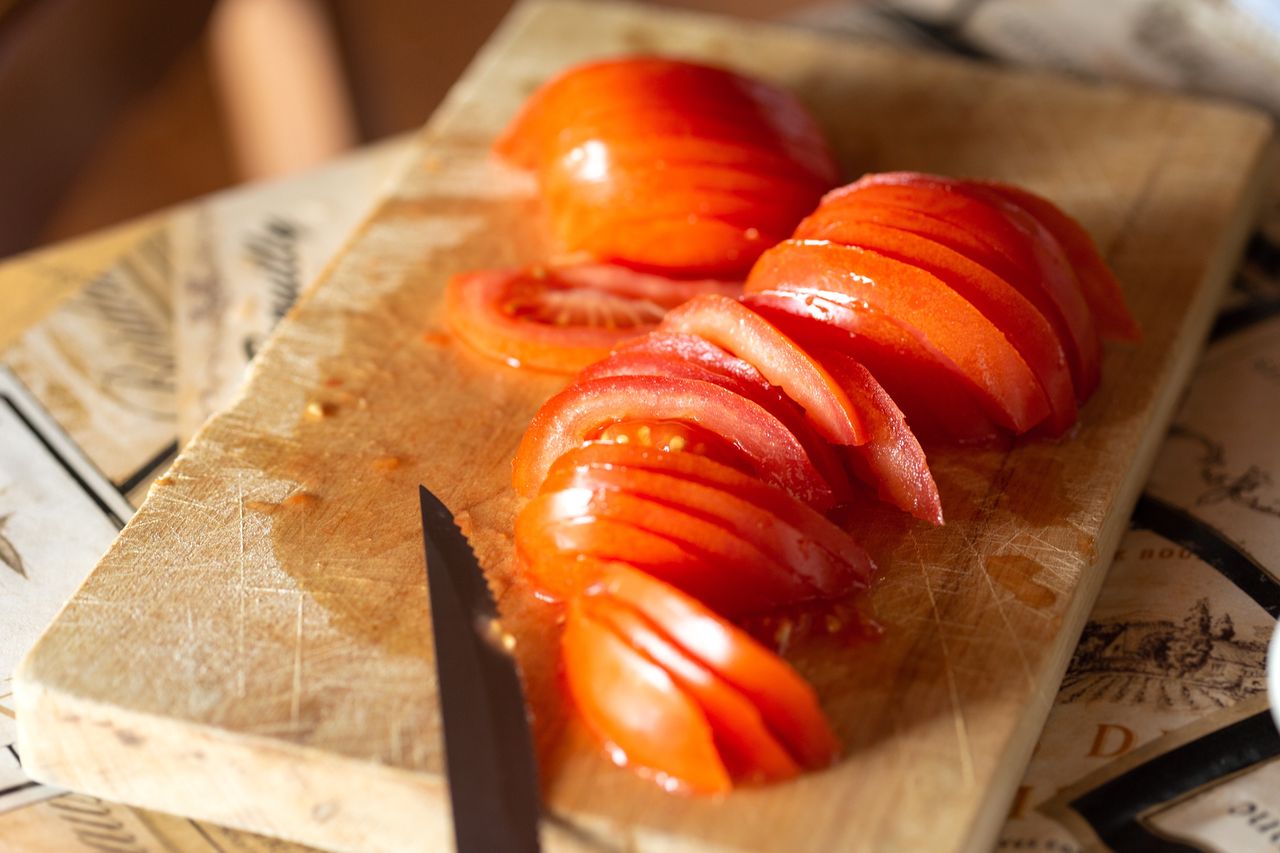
[[110, 110]]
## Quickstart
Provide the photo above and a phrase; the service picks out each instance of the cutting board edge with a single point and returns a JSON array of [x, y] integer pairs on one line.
[[1197, 323], [206, 757]]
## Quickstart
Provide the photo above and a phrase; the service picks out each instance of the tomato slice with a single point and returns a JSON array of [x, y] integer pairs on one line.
[[939, 400], [1101, 289], [698, 469], [728, 573], [1041, 267], [825, 570], [637, 710], [786, 702], [561, 318], [734, 327], [1010, 312], [670, 437], [920, 301], [892, 461], [749, 751], [569, 418], [690, 357]]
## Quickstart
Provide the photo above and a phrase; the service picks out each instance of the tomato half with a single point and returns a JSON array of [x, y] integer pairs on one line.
[[1010, 312], [569, 418], [921, 303], [561, 318], [749, 750], [631, 704], [786, 702], [939, 399]]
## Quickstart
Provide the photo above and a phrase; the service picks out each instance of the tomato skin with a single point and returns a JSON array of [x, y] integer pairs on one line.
[[567, 419], [921, 303], [788, 704], [1010, 312], [1101, 289], [1031, 259], [938, 398], [632, 704], [828, 572], [670, 166], [749, 751]]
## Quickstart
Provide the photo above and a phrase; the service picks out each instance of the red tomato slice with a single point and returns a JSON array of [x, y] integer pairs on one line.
[[892, 461], [786, 702], [670, 437], [734, 327], [569, 418], [635, 708], [698, 469], [561, 318], [691, 357], [730, 575], [938, 398], [919, 300], [1101, 289], [1039, 261], [749, 751], [1010, 312], [825, 570]]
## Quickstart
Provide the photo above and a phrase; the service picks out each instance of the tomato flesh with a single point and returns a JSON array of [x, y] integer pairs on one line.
[[634, 706], [570, 417]]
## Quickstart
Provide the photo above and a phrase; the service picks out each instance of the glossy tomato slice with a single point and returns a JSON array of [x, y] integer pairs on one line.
[[1101, 289], [561, 318], [730, 575], [891, 461], [671, 437], [1010, 312], [787, 703], [749, 751], [1039, 265], [827, 571], [697, 469], [939, 399], [734, 327], [572, 416], [922, 303], [645, 720], [691, 357]]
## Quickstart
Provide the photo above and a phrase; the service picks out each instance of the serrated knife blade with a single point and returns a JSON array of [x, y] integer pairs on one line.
[[489, 758]]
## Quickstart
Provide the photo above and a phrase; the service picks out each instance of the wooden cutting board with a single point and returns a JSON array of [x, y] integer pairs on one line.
[[253, 651]]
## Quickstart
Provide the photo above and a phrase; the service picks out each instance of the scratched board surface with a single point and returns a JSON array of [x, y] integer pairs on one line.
[[260, 653]]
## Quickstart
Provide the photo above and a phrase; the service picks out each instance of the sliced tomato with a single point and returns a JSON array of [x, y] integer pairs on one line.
[[891, 461], [671, 437], [1101, 289], [734, 327], [728, 573], [561, 318], [787, 703], [569, 418], [1010, 312], [749, 751], [827, 571], [645, 720], [691, 357], [939, 400], [921, 302], [1040, 265], [707, 471]]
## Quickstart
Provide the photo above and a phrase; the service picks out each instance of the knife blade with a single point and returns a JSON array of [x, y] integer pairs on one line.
[[489, 758]]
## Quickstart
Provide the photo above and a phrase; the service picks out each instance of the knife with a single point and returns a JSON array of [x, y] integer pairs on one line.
[[489, 759]]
